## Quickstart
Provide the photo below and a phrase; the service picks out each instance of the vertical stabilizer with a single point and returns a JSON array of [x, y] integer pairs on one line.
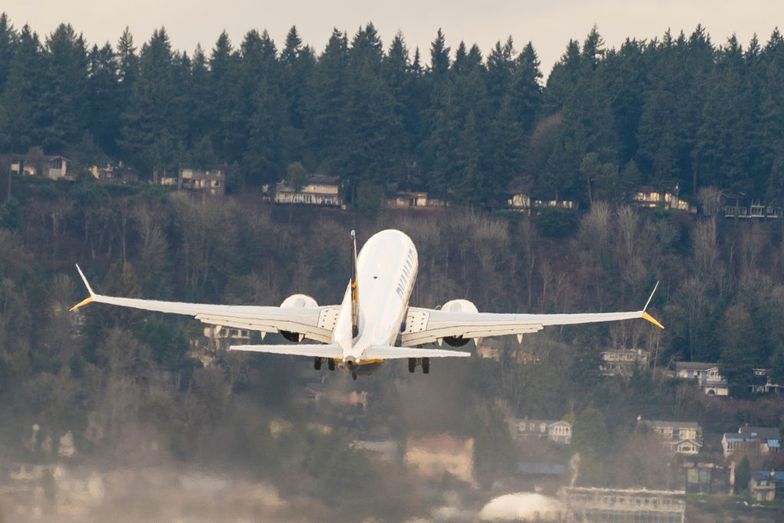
[[354, 289]]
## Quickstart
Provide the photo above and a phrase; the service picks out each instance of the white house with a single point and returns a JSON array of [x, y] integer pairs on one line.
[[707, 375], [558, 431], [682, 437], [623, 362], [317, 190]]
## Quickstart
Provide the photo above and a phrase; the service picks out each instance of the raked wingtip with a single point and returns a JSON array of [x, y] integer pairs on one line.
[[86, 301], [651, 319]]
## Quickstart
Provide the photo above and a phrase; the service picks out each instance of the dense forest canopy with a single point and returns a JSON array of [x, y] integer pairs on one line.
[[677, 112]]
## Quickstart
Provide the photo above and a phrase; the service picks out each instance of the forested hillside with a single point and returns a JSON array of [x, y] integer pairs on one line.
[[678, 111], [123, 381]]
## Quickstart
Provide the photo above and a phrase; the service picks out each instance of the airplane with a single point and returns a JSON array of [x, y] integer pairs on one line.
[[374, 322]]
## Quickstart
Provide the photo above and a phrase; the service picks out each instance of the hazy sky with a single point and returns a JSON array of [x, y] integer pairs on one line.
[[548, 24]]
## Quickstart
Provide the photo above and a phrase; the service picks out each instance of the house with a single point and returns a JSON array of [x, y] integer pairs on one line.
[[766, 485], [414, 200], [386, 450], [762, 383], [521, 201], [554, 203], [620, 505], [208, 181], [557, 431], [682, 437], [751, 439], [318, 190], [706, 478], [489, 348], [649, 198], [623, 362], [115, 172], [216, 338], [736, 206], [707, 376], [319, 392], [433, 456], [36, 163]]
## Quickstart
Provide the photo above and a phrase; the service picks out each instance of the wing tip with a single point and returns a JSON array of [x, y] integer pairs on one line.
[[87, 300], [651, 319]]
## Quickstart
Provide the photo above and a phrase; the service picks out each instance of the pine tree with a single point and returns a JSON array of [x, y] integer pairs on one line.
[[224, 115], [327, 107], [374, 127], [526, 91], [21, 96], [149, 136], [64, 89], [103, 113], [8, 39]]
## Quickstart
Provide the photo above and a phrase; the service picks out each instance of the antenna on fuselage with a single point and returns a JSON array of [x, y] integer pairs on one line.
[[354, 290]]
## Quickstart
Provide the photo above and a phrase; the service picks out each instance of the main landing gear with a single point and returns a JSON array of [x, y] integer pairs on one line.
[[412, 364], [318, 361]]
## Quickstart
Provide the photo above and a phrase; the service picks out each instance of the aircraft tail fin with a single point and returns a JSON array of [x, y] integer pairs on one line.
[[354, 287]]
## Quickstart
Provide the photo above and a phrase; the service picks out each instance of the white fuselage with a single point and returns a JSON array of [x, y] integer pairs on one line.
[[386, 271]]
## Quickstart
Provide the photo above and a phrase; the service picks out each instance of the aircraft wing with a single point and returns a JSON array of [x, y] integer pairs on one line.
[[315, 323], [430, 325]]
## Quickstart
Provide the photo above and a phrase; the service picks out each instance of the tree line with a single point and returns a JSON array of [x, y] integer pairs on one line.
[[676, 112]]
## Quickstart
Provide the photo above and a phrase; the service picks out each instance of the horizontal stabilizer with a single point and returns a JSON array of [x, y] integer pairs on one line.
[[312, 350], [391, 353]]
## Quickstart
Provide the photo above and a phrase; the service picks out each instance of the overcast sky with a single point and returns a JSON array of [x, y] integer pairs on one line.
[[549, 24]]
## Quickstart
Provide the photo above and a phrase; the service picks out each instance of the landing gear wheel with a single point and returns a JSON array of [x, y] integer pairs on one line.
[[354, 375], [317, 363], [426, 365], [331, 363], [411, 365]]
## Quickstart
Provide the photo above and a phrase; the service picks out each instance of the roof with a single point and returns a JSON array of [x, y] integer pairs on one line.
[[439, 443], [673, 424], [776, 475], [540, 469], [322, 179], [763, 433], [694, 365]]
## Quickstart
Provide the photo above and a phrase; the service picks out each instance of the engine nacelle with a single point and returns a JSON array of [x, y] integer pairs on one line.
[[458, 306], [296, 300]]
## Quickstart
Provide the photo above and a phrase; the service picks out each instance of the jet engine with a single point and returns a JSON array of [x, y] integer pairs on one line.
[[458, 306], [296, 300]]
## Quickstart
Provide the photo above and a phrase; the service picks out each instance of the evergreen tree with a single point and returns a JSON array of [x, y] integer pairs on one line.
[[327, 109], [149, 134], [374, 127], [225, 118], [526, 90], [104, 106], [64, 89], [8, 39], [21, 97]]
